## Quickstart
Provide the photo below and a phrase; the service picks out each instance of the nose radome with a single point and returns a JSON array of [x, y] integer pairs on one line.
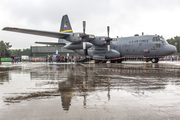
[[175, 49], [170, 49]]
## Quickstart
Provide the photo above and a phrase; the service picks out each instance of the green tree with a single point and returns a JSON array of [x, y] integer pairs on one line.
[[2, 49], [175, 41], [7, 54], [15, 52], [27, 51], [19, 52]]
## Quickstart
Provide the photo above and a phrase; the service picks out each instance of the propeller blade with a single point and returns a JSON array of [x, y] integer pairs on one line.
[[108, 31], [108, 47], [83, 38], [84, 45], [108, 39], [84, 26]]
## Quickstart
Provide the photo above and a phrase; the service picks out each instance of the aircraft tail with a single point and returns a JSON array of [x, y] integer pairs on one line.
[[65, 28], [65, 25]]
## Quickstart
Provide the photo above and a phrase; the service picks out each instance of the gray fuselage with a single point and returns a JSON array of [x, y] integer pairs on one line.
[[147, 45]]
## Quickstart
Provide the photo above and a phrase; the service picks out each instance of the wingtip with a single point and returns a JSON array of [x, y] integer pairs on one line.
[[7, 28], [4, 28]]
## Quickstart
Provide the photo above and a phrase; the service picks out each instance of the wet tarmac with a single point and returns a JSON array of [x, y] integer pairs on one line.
[[127, 91]]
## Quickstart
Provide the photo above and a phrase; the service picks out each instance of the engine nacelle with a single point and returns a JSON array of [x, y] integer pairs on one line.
[[81, 52], [77, 37], [73, 39], [112, 54], [74, 46]]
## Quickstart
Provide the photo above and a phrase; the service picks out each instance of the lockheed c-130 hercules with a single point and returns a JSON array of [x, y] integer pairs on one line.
[[103, 48]]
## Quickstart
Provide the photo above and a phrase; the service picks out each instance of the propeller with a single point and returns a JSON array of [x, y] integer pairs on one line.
[[108, 39], [83, 36], [84, 26], [108, 30]]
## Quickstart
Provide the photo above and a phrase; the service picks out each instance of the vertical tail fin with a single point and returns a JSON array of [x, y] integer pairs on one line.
[[65, 28], [65, 25]]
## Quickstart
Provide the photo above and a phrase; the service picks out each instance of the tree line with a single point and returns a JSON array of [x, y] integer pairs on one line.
[[6, 52]]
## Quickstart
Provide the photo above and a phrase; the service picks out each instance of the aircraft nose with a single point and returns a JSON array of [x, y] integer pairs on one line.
[[170, 49]]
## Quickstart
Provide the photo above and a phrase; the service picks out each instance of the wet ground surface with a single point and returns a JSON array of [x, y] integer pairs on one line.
[[131, 91]]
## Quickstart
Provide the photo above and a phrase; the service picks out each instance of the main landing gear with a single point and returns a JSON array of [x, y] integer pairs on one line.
[[116, 61], [153, 60], [100, 61]]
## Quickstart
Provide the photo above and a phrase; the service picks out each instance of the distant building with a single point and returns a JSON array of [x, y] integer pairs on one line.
[[41, 51]]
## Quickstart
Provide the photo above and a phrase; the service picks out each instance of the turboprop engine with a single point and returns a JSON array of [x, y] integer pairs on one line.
[[75, 46]]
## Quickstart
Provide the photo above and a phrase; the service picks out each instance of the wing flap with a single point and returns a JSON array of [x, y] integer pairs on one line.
[[37, 32]]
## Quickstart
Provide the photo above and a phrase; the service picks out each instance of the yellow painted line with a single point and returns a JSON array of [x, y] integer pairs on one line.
[[66, 31]]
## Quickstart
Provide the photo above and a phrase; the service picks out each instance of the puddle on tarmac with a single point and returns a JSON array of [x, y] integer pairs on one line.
[[95, 85]]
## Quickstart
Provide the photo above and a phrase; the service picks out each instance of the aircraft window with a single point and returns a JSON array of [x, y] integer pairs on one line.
[[114, 39], [155, 39], [158, 45], [102, 39], [91, 36], [162, 39], [76, 35]]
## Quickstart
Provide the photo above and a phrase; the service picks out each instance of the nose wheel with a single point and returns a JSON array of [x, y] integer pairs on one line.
[[155, 60]]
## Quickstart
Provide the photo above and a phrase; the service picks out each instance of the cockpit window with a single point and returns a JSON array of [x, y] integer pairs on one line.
[[155, 39], [162, 39], [159, 38]]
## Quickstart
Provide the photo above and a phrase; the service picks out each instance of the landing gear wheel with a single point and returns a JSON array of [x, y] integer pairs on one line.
[[119, 61], [103, 61], [147, 60], [113, 61], [155, 60], [96, 61]]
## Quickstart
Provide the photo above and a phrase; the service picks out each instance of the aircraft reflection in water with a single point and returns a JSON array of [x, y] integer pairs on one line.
[[83, 80]]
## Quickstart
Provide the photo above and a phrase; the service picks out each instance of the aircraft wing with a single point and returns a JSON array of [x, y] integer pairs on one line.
[[37, 32], [50, 43]]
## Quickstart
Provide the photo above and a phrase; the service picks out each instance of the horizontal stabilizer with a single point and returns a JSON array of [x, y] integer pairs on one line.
[[38, 32], [50, 43]]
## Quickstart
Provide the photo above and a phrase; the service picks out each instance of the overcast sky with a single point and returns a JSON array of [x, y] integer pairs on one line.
[[125, 18]]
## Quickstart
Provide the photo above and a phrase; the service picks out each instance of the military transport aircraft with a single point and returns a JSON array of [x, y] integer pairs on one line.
[[103, 48]]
